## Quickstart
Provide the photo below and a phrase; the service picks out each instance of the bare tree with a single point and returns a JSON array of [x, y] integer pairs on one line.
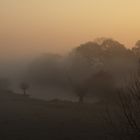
[[129, 99], [24, 87]]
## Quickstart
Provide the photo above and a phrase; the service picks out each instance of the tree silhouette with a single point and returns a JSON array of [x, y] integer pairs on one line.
[[24, 87]]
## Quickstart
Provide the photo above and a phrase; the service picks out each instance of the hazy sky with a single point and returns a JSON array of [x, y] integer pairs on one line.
[[32, 26]]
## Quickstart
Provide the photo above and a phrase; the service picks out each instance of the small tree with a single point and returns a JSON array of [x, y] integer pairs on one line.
[[24, 87], [81, 92]]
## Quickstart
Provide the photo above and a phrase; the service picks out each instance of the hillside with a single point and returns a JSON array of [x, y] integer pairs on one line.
[[23, 118]]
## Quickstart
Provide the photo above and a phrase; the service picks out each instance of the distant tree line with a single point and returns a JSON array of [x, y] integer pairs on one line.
[[92, 69]]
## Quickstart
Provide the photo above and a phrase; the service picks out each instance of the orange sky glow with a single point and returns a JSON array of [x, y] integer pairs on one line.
[[38, 26]]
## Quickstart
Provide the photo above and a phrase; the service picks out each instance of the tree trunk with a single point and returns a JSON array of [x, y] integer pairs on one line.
[[24, 92], [81, 99]]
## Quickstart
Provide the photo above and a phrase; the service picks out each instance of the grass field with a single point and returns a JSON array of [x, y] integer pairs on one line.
[[23, 118]]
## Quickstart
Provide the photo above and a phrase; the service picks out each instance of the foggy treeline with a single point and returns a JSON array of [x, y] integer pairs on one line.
[[94, 69], [102, 71]]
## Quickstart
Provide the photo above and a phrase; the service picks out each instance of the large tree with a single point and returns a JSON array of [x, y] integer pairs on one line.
[[106, 55]]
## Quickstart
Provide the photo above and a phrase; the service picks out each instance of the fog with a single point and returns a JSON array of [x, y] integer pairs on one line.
[[92, 88], [55, 75], [69, 70]]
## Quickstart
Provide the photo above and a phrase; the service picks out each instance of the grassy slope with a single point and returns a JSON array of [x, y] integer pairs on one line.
[[23, 118]]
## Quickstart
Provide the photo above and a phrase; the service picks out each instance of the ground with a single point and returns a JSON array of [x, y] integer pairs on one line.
[[23, 118]]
